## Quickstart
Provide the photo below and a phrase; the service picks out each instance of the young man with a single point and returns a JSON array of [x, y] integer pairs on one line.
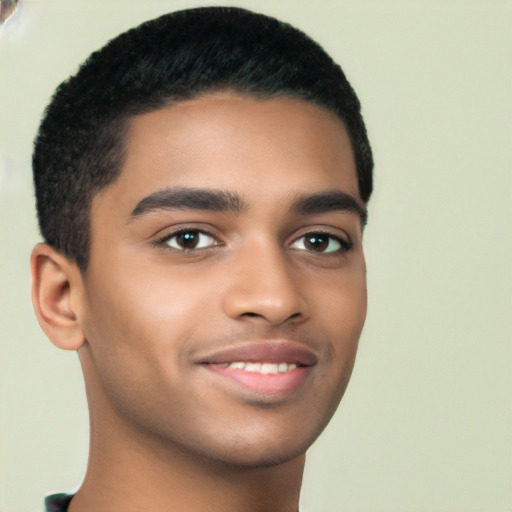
[[201, 187]]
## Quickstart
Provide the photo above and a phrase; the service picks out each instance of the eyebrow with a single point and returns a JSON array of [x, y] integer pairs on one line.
[[328, 201], [184, 198]]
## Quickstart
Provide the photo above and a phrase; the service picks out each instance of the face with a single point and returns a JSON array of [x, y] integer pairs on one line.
[[226, 292]]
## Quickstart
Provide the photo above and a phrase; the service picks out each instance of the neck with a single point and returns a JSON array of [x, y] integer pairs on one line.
[[131, 471]]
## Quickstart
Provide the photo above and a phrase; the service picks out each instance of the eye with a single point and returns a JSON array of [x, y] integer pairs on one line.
[[321, 243], [189, 239]]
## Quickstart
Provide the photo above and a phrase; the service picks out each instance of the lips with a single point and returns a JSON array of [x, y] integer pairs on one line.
[[267, 352], [274, 369], [265, 368]]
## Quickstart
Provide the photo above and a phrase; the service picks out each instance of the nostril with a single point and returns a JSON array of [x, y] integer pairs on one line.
[[291, 318]]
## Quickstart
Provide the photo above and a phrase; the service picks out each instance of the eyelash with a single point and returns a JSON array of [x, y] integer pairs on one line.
[[164, 241], [344, 245]]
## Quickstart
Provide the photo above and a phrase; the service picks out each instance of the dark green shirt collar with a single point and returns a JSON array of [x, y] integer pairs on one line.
[[57, 502]]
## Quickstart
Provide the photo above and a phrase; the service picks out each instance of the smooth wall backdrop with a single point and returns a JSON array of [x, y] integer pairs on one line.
[[426, 424]]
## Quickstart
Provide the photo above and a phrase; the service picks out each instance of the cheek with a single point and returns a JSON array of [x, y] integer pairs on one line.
[[343, 302], [343, 312], [143, 324], [135, 329], [144, 301], [130, 322]]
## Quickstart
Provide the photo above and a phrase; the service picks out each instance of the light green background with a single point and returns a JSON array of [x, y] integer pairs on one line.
[[426, 424]]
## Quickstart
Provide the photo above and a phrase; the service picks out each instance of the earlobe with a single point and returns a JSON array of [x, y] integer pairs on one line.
[[56, 294]]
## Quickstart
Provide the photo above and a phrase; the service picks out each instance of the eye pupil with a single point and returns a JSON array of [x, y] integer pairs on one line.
[[317, 243], [187, 239]]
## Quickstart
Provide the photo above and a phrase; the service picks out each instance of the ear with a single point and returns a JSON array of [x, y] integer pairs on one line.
[[57, 291]]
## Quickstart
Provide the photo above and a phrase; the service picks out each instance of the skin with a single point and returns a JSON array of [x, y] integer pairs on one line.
[[167, 433]]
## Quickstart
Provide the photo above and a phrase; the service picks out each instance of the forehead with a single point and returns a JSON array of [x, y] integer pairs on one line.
[[232, 142]]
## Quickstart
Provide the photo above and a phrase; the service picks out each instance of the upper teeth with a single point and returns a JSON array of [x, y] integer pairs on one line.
[[262, 367]]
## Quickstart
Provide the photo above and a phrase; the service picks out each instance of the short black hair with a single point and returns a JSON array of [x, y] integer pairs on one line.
[[182, 55]]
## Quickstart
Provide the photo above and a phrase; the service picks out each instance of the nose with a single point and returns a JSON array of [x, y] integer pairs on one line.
[[262, 286]]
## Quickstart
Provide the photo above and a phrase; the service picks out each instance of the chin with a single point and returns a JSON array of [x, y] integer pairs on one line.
[[262, 449], [261, 458]]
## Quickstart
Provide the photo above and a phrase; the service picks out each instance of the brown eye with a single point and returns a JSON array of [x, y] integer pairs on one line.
[[316, 243], [189, 240], [320, 243]]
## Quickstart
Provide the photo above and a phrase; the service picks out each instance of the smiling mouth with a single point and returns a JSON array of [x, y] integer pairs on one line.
[[272, 369], [275, 381], [278, 352], [264, 368]]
